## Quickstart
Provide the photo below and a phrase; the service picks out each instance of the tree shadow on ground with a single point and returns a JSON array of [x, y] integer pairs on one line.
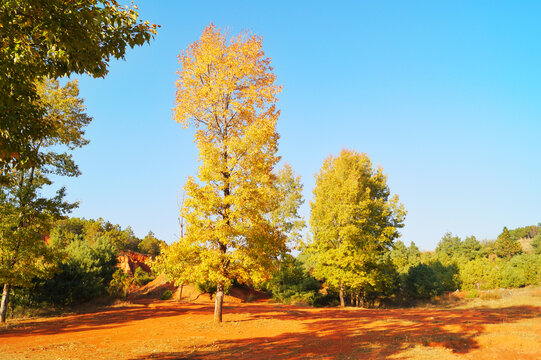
[[102, 319], [352, 333]]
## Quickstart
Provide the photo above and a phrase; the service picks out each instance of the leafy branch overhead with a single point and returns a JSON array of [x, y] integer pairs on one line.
[[51, 39]]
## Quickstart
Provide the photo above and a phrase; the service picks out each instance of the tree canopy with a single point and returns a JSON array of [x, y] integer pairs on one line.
[[227, 91], [51, 39]]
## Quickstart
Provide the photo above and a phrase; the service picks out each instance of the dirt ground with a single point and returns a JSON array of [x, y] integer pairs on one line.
[[151, 329]]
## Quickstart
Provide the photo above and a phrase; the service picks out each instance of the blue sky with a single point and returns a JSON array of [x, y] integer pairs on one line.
[[445, 97]]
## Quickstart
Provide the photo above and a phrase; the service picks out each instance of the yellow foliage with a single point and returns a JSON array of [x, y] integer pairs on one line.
[[353, 220], [226, 91]]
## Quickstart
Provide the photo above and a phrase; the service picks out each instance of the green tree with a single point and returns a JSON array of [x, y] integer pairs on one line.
[[285, 217], [28, 214], [470, 249], [399, 256], [448, 249], [505, 247], [51, 39], [151, 245], [414, 255], [353, 221], [536, 244]]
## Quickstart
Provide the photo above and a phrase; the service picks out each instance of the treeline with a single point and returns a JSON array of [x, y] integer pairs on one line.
[[513, 260], [83, 265]]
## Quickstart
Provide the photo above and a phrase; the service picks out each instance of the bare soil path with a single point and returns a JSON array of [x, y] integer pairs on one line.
[[153, 329]]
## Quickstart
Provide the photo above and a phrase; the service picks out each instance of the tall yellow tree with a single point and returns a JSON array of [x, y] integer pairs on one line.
[[226, 90], [353, 220]]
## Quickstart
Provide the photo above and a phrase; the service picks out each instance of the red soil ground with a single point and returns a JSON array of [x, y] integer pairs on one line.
[[151, 329]]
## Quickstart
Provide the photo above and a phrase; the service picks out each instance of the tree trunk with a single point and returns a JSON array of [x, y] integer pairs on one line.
[[219, 300], [180, 292], [5, 301], [342, 302], [357, 298], [361, 298]]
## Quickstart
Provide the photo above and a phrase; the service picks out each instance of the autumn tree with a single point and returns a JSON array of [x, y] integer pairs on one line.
[[226, 90], [27, 213], [353, 220], [53, 38]]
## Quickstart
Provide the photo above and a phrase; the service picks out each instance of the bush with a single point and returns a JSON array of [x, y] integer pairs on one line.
[[141, 277], [83, 275], [207, 287], [119, 285], [167, 294], [291, 283], [472, 294], [481, 273], [522, 270], [422, 283]]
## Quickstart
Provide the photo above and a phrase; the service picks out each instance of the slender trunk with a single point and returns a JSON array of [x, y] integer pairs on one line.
[[219, 300], [361, 298], [352, 298], [180, 292], [5, 301], [357, 298], [342, 302]]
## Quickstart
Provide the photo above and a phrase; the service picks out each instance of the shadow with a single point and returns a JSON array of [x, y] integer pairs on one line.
[[102, 319], [321, 332], [356, 333]]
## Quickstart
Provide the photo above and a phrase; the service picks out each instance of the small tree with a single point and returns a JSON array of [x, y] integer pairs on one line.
[[150, 245], [505, 247], [179, 262], [27, 214]]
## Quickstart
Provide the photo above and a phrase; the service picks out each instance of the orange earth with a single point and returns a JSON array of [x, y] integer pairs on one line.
[[153, 329]]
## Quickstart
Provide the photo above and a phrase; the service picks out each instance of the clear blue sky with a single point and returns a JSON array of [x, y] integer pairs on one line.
[[445, 97]]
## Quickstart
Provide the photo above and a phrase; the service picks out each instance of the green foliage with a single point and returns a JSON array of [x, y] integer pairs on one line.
[[425, 281], [403, 258], [536, 244], [68, 230], [472, 294], [206, 287], [448, 248], [285, 217], [141, 277], [422, 283], [150, 245], [167, 294], [481, 273], [505, 246], [292, 283], [526, 232], [83, 275], [27, 214], [53, 38], [119, 285], [522, 270]]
